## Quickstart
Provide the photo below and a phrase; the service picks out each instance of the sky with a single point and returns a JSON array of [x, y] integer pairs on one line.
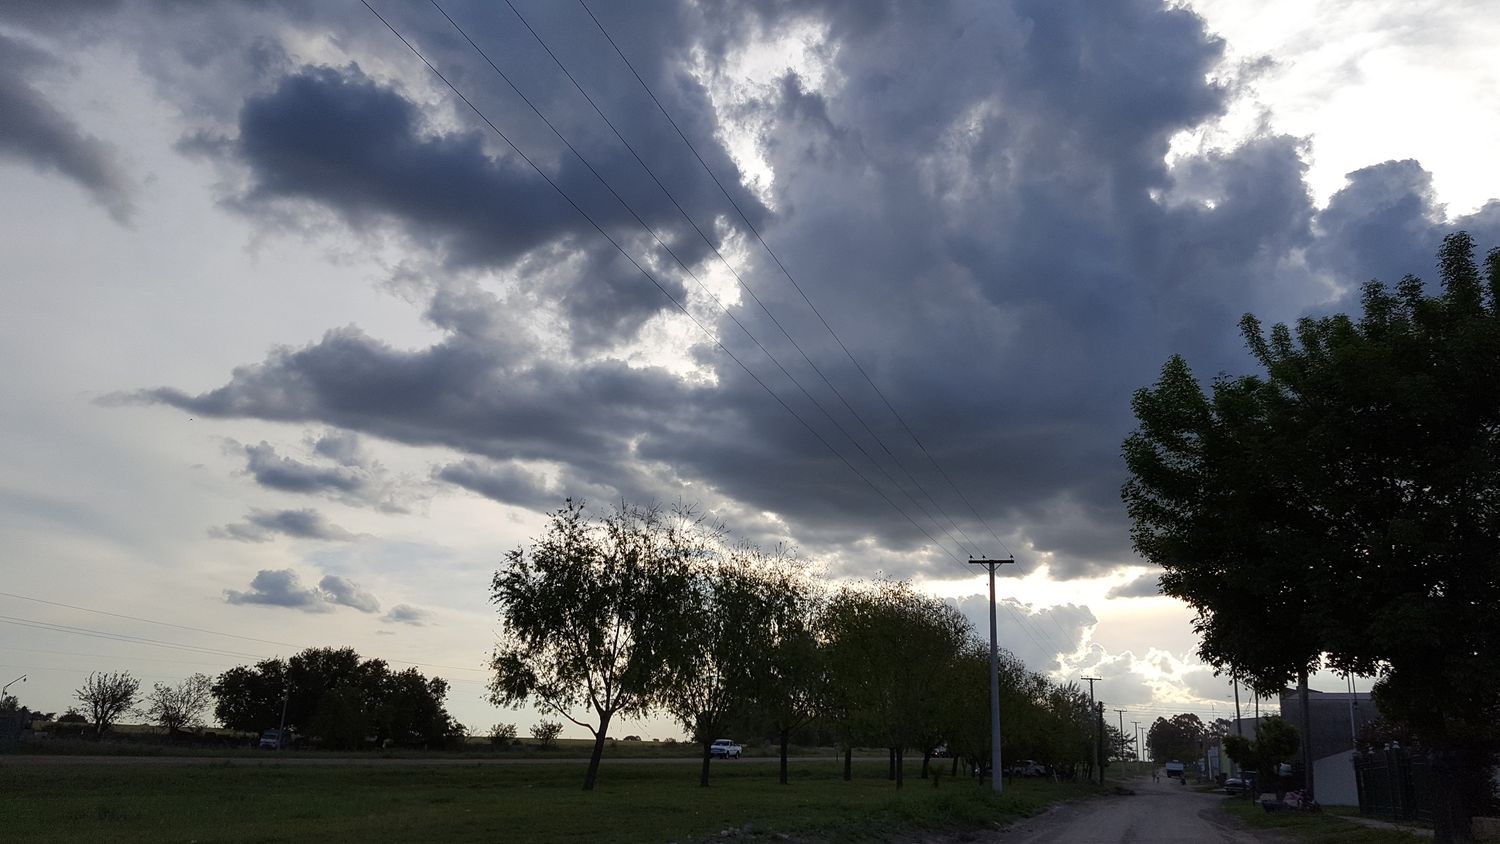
[[302, 337]]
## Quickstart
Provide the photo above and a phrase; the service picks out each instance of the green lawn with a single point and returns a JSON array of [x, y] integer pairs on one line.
[[1315, 828], [634, 802]]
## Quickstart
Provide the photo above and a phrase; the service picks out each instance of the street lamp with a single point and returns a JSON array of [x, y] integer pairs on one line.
[[6, 687]]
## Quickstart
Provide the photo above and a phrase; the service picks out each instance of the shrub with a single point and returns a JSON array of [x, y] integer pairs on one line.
[[546, 732], [503, 735]]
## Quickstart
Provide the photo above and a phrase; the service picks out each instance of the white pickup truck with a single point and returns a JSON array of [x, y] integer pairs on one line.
[[724, 749]]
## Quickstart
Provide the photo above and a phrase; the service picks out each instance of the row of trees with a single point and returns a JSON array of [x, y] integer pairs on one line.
[[107, 696], [328, 695], [1342, 508], [651, 611], [337, 699]]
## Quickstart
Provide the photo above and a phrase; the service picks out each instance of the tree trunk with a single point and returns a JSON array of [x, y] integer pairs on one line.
[[703, 777], [926, 759], [1453, 773], [953, 774], [900, 766], [785, 737], [1305, 725], [892, 774], [593, 773], [848, 763]]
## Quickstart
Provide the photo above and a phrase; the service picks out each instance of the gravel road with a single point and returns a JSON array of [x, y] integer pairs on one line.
[[1159, 813]]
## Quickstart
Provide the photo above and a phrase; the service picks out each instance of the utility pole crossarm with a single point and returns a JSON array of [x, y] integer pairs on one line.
[[996, 781]]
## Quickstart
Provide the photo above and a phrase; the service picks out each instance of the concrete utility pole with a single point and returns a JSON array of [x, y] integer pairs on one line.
[[1138, 757], [1122, 731], [1239, 730], [996, 781], [1093, 711]]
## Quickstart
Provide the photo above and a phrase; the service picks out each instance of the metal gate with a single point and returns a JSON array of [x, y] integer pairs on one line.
[[1395, 784]]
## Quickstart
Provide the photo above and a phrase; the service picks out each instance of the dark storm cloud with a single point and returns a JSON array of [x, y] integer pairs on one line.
[[407, 614], [1037, 636], [472, 392], [49, 15], [336, 139], [265, 525], [351, 479], [345, 592], [283, 588], [279, 588], [977, 199], [37, 133], [505, 484], [1387, 222], [341, 447], [1146, 586]]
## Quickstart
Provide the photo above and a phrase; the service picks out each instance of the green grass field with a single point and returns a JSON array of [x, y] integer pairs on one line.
[[533, 803], [1320, 828]]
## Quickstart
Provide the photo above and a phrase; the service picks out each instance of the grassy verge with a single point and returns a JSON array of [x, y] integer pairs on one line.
[[1318, 828], [129, 745], [633, 803]]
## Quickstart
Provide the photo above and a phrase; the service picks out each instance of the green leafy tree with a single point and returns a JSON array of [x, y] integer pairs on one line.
[[1179, 737], [1347, 495], [108, 695], [586, 615], [793, 680], [891, 652], [249, 698], [338, 699], [714, 673], [181, 706]]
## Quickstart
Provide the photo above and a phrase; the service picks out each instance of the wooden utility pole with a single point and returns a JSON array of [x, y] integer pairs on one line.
[[996, 780]]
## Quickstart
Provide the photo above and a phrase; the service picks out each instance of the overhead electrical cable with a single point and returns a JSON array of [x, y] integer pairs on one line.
[[197, 630], [969, 545], [606, 235], [769, 251], [688, 270]]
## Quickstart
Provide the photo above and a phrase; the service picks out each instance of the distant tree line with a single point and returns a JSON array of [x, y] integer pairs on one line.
[[651, 611], [335, 699], [330, 697]]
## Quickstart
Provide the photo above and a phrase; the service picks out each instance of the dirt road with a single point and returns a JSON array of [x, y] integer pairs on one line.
[[1158, 813]]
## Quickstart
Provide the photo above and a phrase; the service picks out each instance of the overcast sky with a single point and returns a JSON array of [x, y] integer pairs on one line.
[[298, 345]]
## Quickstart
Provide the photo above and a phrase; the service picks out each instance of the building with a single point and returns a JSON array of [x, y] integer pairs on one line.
[[1335, 720]]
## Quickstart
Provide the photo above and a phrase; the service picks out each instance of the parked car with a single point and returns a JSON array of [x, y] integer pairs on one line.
[[1239, 785], [725, 749], [1027, 768], [275, 739]]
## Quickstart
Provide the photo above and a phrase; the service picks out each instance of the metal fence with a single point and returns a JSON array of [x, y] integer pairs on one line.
[[1395, 784]]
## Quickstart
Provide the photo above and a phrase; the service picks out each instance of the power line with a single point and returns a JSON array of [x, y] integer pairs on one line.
[[717, 343], [694, 276], [119, 637], [145, 620], [968, 544], [214, 651], [789, 276]]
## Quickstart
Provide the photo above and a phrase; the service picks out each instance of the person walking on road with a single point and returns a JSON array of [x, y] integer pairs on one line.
[[1155, 775]]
